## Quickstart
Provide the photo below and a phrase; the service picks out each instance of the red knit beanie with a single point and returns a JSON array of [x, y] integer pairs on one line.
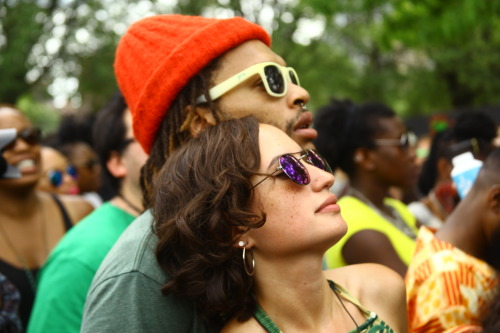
[[158, 56]]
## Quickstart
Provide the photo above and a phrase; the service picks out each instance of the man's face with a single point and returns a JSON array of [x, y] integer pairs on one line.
[[133, 157], [251, 98]]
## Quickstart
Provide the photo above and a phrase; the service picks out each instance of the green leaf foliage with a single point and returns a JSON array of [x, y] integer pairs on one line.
[[419, 56]]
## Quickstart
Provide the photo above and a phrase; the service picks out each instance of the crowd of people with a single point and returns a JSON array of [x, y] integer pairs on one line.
[[204, 198]]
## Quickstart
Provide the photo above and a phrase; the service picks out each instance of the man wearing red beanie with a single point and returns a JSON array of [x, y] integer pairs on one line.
[[180, 74]]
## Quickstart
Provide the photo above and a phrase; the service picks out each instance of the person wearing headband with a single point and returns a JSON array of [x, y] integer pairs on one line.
[[250, 258], [180, 74], [31, 221]]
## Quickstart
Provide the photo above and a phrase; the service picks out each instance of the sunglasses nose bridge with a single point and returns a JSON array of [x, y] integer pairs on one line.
[[67, 180], [20, 143]]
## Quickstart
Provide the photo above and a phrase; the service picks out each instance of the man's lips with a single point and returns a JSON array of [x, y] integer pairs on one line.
[[302, 127], [329, 205]]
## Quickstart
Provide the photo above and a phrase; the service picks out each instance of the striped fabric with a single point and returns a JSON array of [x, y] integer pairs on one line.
[[447, 289]]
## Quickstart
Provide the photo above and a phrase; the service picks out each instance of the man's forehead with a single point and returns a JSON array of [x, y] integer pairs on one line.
[[243, 56]]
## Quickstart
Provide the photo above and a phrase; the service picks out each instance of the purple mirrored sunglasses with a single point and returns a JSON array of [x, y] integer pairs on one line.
[[293, 168]]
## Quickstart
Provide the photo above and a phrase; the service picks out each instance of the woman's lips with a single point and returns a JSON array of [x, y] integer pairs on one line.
[[329, 205]]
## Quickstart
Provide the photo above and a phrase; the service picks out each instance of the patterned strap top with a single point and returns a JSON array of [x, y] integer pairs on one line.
[[373, 323]]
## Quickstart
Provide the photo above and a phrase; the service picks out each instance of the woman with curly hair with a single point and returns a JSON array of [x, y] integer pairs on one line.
[[243, 217]]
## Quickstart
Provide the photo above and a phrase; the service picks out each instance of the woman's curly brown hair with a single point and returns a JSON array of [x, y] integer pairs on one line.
[[202, 203]]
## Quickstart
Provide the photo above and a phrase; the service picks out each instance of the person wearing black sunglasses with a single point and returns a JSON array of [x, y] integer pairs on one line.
[[251, 257], [31, 221], [371, 144], [179, 75]]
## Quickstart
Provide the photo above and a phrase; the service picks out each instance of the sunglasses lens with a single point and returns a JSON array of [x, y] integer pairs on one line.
[[30, 135], [318, 161], [55, 177], [412, 139], [294, 169], [293, 78], [408, 140], [274, 79], [71, 170], [404, 141]]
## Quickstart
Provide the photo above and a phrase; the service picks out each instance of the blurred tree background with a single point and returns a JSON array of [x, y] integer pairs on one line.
[[419, 56]]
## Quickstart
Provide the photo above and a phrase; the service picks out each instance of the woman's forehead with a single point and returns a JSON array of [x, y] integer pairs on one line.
[[274, 142]]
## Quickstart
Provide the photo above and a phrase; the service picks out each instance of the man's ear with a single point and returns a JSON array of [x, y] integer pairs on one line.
[[198, 118], [494, 198], [115, 165]]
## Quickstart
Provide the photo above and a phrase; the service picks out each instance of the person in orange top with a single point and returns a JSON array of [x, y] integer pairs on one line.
[[452, 276]]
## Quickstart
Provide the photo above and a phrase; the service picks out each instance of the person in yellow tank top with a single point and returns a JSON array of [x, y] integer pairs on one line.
[[371, 144]]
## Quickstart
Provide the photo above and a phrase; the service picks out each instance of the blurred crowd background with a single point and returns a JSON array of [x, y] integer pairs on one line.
[[420, 57]]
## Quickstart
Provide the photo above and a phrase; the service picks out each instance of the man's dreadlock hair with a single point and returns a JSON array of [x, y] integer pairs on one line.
[[174, 128]]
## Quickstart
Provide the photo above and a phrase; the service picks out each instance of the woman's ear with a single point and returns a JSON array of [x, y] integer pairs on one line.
[[198, 118], [241, 238], [363, 159]]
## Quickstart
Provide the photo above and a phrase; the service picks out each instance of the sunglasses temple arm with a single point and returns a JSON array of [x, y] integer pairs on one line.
[[262, 180]]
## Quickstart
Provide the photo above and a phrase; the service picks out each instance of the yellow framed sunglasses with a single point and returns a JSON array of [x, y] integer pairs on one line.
[[274, 77]]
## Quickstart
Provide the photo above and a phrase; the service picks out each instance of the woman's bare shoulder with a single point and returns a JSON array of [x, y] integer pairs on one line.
[[377, 288], [364, 277], [76, 206]]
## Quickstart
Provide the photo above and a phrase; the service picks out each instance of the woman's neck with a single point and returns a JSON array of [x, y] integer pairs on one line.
[[19, 203], [303, 288], [370, 192]]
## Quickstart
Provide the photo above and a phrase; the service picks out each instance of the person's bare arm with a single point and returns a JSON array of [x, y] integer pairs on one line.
[[371, 246], [386, 295]]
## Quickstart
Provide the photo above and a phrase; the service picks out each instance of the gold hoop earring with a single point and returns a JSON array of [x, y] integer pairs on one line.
[[245, 265]]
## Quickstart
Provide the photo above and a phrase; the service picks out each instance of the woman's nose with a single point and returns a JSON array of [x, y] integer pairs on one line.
[[321, 178]]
